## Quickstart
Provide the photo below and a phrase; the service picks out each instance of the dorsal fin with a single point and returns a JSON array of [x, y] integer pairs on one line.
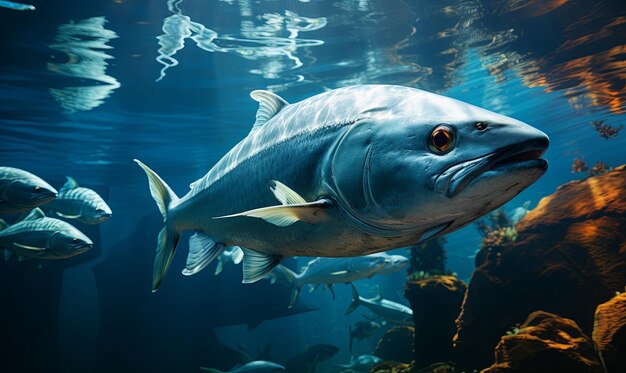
[[69, 184], [193, 185], [269, 105], [34, 214]]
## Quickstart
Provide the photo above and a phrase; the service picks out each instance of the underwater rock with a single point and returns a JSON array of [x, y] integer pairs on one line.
[[609, 333], [569, 257], [436, 302], [393, 367], [396, 345], [546, 343]]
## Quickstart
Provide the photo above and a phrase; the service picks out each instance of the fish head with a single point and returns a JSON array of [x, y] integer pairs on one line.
[[425, 162], [29, 192], [68, 241], [96, 211], [373, 262], [395, 263]]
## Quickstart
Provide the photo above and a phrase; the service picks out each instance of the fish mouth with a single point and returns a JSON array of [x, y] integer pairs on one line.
[[81, 247], [523, 155], [103, 216], [45, 196]]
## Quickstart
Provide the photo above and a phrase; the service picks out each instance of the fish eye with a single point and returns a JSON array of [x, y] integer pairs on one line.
[[481, 126], [441, 139], [37, 189], [75, 240]]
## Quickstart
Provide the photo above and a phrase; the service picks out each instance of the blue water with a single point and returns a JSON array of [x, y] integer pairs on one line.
[[85, 87]]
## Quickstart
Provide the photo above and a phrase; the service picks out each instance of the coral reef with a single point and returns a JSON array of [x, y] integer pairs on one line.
[[546, 343], [609, 333], [578, 166], [436, 302], [396, 345], [598, 169], [569, 257], [606, 131], [392, 367], [428, 258]]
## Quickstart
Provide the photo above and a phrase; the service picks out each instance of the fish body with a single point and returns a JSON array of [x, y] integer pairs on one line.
[[350, 172], [81, 204], [40, 237], [363, 363], [258, 366], [388, 310], [22, 191]]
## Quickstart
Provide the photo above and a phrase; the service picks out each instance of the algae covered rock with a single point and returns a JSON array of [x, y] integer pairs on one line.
[[569, 257], [436, 302], [609, 333], [396, 345], [546, 343]]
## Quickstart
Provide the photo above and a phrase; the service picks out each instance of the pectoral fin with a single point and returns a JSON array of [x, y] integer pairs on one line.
[[294, 208], [284, 216], [202, 251], [33, 248], [68, 216], [257, 265]]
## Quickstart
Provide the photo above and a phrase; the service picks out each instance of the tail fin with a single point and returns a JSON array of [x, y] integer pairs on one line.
[[355, 300], [292, 278], [169, 237]]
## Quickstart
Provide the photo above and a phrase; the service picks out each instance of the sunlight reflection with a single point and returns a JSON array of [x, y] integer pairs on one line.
[[262, 39], [84, 43]]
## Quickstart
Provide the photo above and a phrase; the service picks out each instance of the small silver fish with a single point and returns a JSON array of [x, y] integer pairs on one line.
[[81, 204], [330, 271], [40, 237], [258, 366], [363, 363], [21, 191], [394, 312]]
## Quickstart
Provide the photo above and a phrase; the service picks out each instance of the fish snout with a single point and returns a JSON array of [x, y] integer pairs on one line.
[[44, 194]]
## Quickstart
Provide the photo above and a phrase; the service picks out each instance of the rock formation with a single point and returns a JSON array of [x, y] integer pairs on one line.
[[545, 343], [396, 345], [436, 302], [609, 333], [569, 257]]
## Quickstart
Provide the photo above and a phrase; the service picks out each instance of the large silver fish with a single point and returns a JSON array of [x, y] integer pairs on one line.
[[348, 172], [330, 271], [40, 237], [391, 311], [78, 203], [21, 191]]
